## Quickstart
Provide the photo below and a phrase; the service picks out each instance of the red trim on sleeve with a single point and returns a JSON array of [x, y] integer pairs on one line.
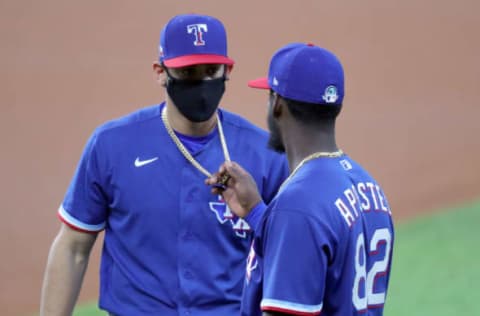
[[289, 311], [93, 232]]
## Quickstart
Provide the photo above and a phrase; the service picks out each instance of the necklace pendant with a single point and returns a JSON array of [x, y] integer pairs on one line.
[[224, 179], [222, 182]]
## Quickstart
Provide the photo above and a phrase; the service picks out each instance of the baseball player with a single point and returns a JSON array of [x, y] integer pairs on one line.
[[324, 244], [170, 247]]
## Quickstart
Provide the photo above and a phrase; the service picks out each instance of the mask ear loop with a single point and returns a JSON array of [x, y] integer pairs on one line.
[[169, 76], [225, 69]]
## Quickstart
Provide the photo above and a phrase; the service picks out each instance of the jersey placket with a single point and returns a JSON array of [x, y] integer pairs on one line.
[[187, 239]]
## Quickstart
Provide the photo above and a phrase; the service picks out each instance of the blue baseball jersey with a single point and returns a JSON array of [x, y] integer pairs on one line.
[[170, 246], [324, 245]]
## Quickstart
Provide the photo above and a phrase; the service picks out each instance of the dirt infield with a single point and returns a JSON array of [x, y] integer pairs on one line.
[[410, 116]]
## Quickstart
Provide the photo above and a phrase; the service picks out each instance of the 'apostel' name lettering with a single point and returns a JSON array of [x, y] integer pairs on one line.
[[364, 197]]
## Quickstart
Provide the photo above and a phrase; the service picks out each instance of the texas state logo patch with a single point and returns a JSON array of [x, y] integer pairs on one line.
[[226, 217]]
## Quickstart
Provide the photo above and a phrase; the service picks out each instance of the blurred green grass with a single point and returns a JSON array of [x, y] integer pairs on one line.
[[89, 310], [436, 266]]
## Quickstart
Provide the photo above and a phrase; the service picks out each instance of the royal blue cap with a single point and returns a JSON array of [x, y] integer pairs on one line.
[[192, 39], [306, 73]]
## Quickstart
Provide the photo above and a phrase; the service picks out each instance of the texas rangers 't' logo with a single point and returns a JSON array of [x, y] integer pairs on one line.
[[197, 30], [224, 215]]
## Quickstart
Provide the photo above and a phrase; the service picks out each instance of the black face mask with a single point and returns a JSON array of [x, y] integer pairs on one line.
[[197, 100]]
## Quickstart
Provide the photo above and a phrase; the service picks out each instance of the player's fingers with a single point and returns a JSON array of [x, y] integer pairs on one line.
[[234, 169], [223, 180], [216, 191], [222, 168], [208, 181], [228, 173], [213, 179]]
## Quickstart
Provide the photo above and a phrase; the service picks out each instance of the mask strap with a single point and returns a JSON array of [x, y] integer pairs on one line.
[[169, 76]]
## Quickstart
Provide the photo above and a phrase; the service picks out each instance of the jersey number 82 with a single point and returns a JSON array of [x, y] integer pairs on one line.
[[378, 269]]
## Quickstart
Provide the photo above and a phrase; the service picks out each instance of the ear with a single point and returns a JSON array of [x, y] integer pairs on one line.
[[158, 73], [228, 70], [278, 106]]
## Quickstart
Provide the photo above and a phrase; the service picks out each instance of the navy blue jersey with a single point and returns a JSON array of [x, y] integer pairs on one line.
[[323, 246], [171, 247]]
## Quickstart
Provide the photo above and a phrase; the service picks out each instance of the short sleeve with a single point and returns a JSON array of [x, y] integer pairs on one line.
[[295, 264], [85, 205]]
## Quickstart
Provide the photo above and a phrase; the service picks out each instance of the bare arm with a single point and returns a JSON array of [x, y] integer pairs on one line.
[[66, 266]]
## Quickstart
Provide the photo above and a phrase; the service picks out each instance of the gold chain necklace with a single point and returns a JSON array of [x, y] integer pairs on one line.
[[185, 152], [315, 155]]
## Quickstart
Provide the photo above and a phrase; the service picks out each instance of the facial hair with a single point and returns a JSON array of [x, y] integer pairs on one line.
[[275, 139]]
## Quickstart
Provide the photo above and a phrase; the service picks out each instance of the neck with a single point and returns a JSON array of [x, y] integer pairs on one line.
[[181, 124], [302, 143]]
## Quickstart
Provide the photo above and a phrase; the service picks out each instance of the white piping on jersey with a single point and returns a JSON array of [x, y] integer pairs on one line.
[[290, 306], [76, 223]]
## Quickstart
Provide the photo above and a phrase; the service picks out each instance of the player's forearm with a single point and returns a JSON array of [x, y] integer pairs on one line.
[[63, 278]]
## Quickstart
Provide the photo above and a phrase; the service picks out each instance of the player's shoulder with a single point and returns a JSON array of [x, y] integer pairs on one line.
[[308, 197], [241, 124], [130, 120], [316, 184], [292, 203], [356, 170]]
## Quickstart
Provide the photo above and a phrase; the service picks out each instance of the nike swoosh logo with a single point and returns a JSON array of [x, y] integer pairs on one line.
[[140, 163]]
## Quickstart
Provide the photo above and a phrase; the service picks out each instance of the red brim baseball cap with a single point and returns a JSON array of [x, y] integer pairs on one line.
[[260, 83], [305, 73], [190, 60], [192, 39]]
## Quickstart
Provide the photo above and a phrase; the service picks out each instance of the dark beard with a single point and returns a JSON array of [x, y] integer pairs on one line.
[[275, 139]]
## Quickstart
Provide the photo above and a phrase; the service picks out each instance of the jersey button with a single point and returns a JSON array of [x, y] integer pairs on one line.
[[188, 236], [188, 275], [191, 195]]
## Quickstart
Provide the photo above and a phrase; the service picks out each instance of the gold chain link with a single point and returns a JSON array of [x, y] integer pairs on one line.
[[333, 154], [185, 152]]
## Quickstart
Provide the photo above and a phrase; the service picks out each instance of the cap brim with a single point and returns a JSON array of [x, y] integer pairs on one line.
[[190, 60], [260, 83]]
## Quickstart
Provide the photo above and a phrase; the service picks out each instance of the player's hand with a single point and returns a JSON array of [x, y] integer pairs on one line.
[[239, 191]]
